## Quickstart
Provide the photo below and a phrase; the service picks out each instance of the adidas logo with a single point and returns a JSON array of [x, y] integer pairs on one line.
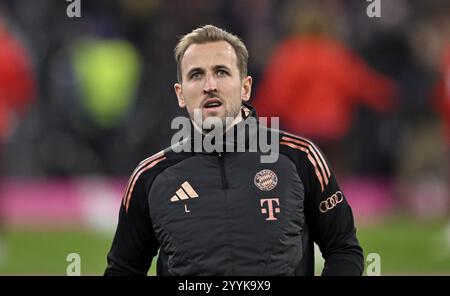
[[185, 192]]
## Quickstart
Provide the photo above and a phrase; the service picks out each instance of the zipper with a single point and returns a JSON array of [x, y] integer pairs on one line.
[[223, 176], [222, 170]]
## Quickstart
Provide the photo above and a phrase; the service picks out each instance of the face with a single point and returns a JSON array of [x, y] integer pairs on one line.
[[211, 81]]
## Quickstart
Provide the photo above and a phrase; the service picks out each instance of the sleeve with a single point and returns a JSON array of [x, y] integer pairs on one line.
[[134, 244], [369, 87], [330, 219]]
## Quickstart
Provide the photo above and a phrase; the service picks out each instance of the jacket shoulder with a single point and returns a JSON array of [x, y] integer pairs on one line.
[[163, 159], [148, 169], [291, 143], [306, 154]]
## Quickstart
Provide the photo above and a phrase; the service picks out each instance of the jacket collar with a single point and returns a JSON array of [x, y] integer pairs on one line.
[[237, 138]]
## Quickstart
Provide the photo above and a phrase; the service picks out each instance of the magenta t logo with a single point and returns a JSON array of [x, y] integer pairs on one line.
[[270, 207]]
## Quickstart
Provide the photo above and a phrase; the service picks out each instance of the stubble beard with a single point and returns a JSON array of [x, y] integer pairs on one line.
[[211, 122]]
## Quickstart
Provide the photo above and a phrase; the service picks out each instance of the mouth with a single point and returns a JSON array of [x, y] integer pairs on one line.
[[212, 103]]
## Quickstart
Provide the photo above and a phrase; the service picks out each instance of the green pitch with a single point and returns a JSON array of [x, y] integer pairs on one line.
[[45, 252], [405, 247]]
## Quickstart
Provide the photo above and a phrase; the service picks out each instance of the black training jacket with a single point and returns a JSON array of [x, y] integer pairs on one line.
[[227, 213]]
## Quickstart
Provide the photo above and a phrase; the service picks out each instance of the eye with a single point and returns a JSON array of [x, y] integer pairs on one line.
[[196, 75], [222, 73]]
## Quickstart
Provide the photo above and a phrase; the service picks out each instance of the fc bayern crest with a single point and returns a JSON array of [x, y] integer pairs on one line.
[[266, 180]]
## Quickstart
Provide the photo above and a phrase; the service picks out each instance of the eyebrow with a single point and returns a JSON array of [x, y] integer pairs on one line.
[[219, 67]]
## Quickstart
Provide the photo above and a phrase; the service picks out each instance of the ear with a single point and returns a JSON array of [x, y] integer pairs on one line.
[[178, 91], [246, 88]]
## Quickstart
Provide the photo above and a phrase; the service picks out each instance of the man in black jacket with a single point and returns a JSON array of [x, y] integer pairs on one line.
[[216, 212]]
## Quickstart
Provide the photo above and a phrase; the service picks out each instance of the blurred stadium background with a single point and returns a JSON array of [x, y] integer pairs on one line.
[[83, 100]]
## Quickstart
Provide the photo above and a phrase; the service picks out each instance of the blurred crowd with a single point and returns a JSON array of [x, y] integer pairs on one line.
[[94, 94]]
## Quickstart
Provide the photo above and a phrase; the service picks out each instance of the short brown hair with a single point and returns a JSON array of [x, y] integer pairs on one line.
[[210, 33]]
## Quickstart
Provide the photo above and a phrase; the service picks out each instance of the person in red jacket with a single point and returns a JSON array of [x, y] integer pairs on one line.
[[17, 84], [314, 82]]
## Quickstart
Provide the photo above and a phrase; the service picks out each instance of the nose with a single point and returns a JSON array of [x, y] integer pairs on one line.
[[210, 84]]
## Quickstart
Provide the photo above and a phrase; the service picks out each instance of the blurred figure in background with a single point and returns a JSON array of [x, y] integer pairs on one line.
[[17, 84], [107, 74], [441, 96], [314, 82], [423, 169], [89, 84], [17, 90]]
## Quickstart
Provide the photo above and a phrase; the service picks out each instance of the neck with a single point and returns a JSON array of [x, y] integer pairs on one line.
[[236, 120]]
